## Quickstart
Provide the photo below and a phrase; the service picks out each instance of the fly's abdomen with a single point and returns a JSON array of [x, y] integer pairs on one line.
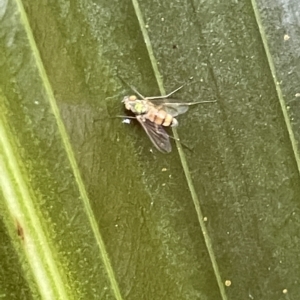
[[168, 120], [159, 117]]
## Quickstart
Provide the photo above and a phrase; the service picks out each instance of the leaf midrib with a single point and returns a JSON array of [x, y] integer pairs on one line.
[[181, 153]]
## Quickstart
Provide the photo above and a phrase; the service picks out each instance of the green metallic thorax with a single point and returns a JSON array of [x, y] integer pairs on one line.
[[140, 107]]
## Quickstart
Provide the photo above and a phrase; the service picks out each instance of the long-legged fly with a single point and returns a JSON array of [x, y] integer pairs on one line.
[[154, 116]]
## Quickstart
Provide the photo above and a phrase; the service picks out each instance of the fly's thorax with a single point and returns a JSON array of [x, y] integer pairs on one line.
[[139, 107], [136, 106]]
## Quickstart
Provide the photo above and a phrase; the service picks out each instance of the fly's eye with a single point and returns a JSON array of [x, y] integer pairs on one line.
[[125, 99], [127, 106], [132, 98]]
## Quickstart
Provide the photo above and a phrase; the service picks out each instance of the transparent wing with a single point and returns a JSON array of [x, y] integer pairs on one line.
[[171, 106], [157, 134], [175, 109]]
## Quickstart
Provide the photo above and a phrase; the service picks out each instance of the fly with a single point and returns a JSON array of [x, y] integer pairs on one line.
[[154, 117]]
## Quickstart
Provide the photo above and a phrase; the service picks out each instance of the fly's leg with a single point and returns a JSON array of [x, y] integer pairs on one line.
[[126, 117], [166, 96], [200, 102], [132, 87], [156, 97], [137, 92]]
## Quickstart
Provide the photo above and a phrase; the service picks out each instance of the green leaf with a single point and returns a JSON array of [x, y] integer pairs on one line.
[[90, 209]]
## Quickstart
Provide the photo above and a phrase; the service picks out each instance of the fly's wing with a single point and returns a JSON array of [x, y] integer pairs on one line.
[[175, 109], [172, 107], [157, 134]]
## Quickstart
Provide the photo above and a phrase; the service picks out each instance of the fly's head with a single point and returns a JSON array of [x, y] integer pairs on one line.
[[129, 101]]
